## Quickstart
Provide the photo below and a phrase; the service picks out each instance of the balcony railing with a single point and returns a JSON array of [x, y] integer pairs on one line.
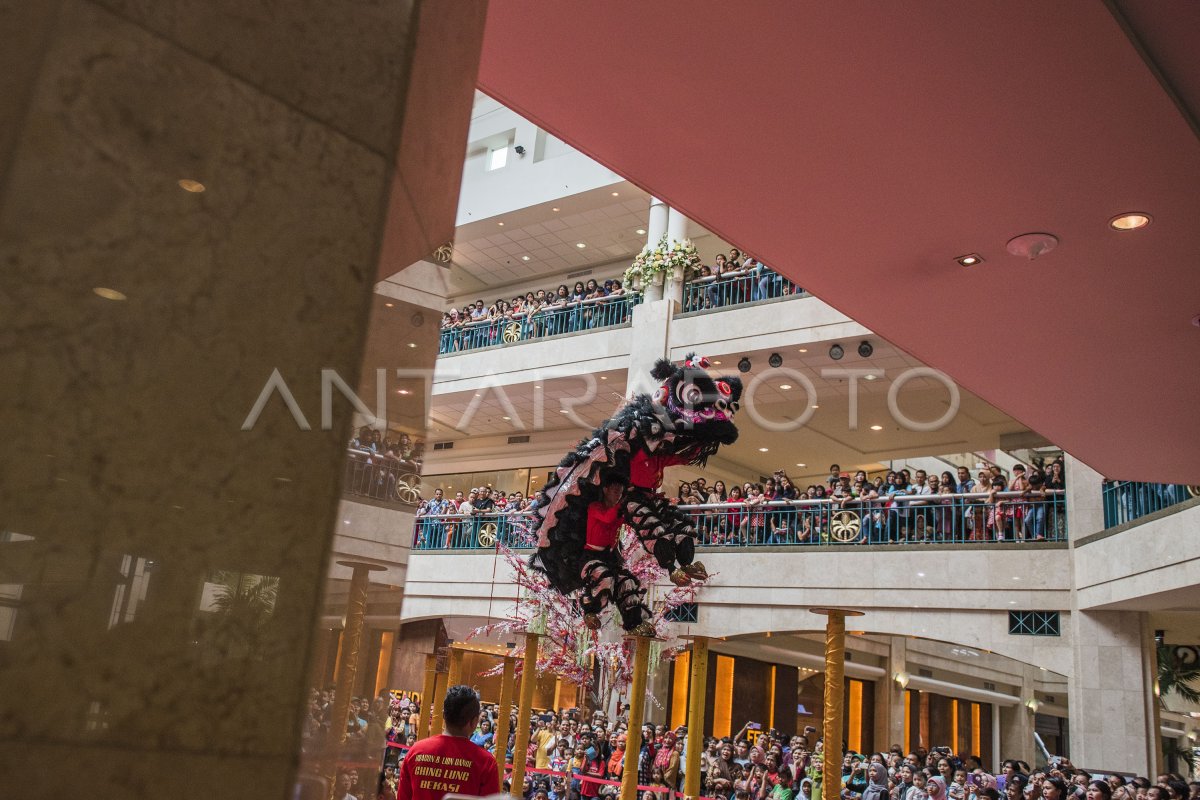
[[1125, 501], [473, 532], [736, 288], [902, 519], [380, 477], [584, 315]]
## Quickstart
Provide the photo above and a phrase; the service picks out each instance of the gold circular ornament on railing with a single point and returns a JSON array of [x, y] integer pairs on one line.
[[407, 488], [1193, 491], [844, 526], [444, 253], [512, 332], [487, 534]]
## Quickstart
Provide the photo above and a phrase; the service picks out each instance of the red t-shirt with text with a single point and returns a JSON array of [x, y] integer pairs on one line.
[[447, 764]]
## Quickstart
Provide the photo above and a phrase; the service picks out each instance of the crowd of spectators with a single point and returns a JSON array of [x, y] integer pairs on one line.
[[899, 506], [735, 279], [539, 313], [1027, 504], [574, 756], [378, 461]]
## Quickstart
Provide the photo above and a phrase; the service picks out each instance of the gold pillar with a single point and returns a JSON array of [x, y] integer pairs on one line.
[[439, 696], [504, 712], [454, 678], [356, 611], [637, 712], [528, 684], [835, 671], [427, 691], [697, 694]]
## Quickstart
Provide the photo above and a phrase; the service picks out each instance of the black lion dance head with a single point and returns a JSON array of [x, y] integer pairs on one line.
[[686, 420]]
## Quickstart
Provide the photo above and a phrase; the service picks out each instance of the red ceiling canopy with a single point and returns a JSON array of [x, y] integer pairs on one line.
[[860, 147]]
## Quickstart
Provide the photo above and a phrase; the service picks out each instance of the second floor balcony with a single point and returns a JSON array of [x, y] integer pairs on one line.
[[930, 520]]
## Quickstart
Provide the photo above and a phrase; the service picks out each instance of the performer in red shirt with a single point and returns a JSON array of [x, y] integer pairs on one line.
[[451, 762], [604, 574]]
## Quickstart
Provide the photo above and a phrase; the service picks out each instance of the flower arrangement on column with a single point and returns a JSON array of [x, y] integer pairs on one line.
[[665, 258], [569, 649]]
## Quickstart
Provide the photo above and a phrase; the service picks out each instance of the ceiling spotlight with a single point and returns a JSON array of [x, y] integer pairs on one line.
[[876, 427], [554, 209], [816, 406], [1129, 221], [403, 391], [506, 418], [501, 224], [762, 449], [390, 305], [580, 245], [775, 360], [616, 194], [412, 344], [865, 349], [969, 260], [524, 258], [803, 350], [603, 377], [870, 376], [640, 231], [785, 386], [1031, 245], [189, 185], [744, 365], [836, 352], [718, 363], [801, 465]]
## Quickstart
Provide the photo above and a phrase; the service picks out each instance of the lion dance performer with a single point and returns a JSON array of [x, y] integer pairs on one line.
[[613, 478]]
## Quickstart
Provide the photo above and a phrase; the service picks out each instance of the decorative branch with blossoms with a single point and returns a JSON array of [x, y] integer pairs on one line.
[[568, 648]]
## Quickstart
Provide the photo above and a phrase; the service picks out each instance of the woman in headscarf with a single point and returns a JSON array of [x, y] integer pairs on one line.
[[936, 787], [667, 759], [720, 774], [616, 760], [877, 778]]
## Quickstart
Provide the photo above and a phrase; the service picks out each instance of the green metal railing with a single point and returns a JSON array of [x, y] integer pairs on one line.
[[585, 315], [736, 288], [901, 519], [1125, 501]]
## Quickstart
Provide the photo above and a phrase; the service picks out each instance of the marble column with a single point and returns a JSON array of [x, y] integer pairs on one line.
[[656, 229], [1016, 722], [352, 646], [195, 203], [889, 697], [1085, 500], [1114, 715], [676, 232]]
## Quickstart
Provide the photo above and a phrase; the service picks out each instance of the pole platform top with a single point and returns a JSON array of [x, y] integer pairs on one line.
[[361, 565], [829, 612]]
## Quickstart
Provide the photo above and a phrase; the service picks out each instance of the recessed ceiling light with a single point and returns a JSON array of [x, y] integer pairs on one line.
[[603, 377], [1016, 577], [562, 411], [403, 391], [501, 224], [412, 344], [920, 574], [191, 186], [969, 260], [762, 449], [506, 418], [554, 209], [109, 294], [580, 245], [717, 363], [870, 377], [785, 386], [477, 394], [1129, 221], [815, 406], [616, 194], [876, 427], [803, 349], [524, 258], [390, 305], [640, 231], [801, 465], [537, 386]]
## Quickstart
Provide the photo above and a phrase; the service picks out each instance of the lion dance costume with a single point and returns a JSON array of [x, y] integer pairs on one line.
[[685, 421]]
